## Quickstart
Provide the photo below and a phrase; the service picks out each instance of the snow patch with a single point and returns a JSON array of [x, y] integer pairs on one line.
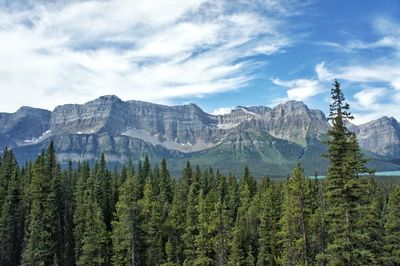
[[34, 140], [247, 111], [228, 125]]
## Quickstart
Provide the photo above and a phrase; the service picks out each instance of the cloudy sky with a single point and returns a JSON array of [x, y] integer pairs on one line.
[[215, 53]]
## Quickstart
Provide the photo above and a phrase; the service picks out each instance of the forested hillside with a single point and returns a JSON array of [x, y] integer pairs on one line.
[[140, 215]]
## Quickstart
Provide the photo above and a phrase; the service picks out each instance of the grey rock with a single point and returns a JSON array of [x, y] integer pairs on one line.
[[381, 136], [23, 126], [276, 137]]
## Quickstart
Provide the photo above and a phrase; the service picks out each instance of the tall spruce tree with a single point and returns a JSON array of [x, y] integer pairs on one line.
[[342, 186]]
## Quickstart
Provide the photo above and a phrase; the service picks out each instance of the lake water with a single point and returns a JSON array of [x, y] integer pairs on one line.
[[387, 173]]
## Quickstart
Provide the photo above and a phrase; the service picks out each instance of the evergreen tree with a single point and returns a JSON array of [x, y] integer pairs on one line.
[[219, 227], [343, 189], [203, 246], [104, 192], [269, 215], [79, 214], [11, 212], [176, 225], [392, 229], [241, 235], [187, 177], [45, 234], [69, 179], [295, 220], [128, 232], [318, 223], [191, 228], [95, 238]]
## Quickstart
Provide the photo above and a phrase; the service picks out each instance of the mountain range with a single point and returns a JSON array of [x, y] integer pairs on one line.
[[269, 140]]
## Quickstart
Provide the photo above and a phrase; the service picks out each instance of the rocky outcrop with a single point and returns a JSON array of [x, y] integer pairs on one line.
[[294, 121], [381, 136], [23, 126]]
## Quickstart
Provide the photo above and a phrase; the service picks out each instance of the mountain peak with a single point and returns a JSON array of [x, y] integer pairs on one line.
[[112, 98], [293, 103], [388, 119]]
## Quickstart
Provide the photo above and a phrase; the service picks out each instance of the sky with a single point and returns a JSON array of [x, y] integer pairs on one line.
[[215, 53]]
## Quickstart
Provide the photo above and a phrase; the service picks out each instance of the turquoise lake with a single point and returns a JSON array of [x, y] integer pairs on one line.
[[386, 173]]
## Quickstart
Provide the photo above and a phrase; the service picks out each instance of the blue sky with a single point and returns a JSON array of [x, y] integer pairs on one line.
[[217, 54]]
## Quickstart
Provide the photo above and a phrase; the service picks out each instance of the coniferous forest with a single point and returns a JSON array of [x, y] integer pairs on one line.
[[140, 215]]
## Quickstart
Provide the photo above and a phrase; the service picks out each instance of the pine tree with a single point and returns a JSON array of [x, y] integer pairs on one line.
[[241, 237], [69, 180], [80, 208], [191, 228], [202, 239], [104, 191], [11, 212], [343, 189], [295, 220], [95, 239], [8, 164], [220, 222], [45, 220], [128, 232], [176, 225], [269, 215], [318, 223], [392, 229], [187, 177]]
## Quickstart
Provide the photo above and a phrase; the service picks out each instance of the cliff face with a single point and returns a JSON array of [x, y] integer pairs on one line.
[[23, 126], [381, 136], [123, 130]]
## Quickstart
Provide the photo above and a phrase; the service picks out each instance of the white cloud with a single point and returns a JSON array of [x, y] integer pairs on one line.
[[222, 110], [370, 102], [74, 51], [303, 89], [299, 89], [368, 98]]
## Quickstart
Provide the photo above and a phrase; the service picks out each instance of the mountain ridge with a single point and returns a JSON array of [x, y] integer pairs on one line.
[[259, 135]]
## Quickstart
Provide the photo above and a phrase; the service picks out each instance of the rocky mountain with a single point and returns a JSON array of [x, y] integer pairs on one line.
[[23, 126], [381, 136], [270, 140]]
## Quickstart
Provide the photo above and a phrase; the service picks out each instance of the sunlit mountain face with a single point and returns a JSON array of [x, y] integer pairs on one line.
[[270, 139]]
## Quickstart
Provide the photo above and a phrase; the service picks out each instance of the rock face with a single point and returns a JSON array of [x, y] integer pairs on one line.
[[23, 126], [295, 122], [381, 136], [184, 128], [268, 138]]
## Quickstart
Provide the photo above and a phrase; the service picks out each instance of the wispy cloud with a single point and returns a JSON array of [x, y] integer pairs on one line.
[[369, 101], [73, 51], [376, 80]]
